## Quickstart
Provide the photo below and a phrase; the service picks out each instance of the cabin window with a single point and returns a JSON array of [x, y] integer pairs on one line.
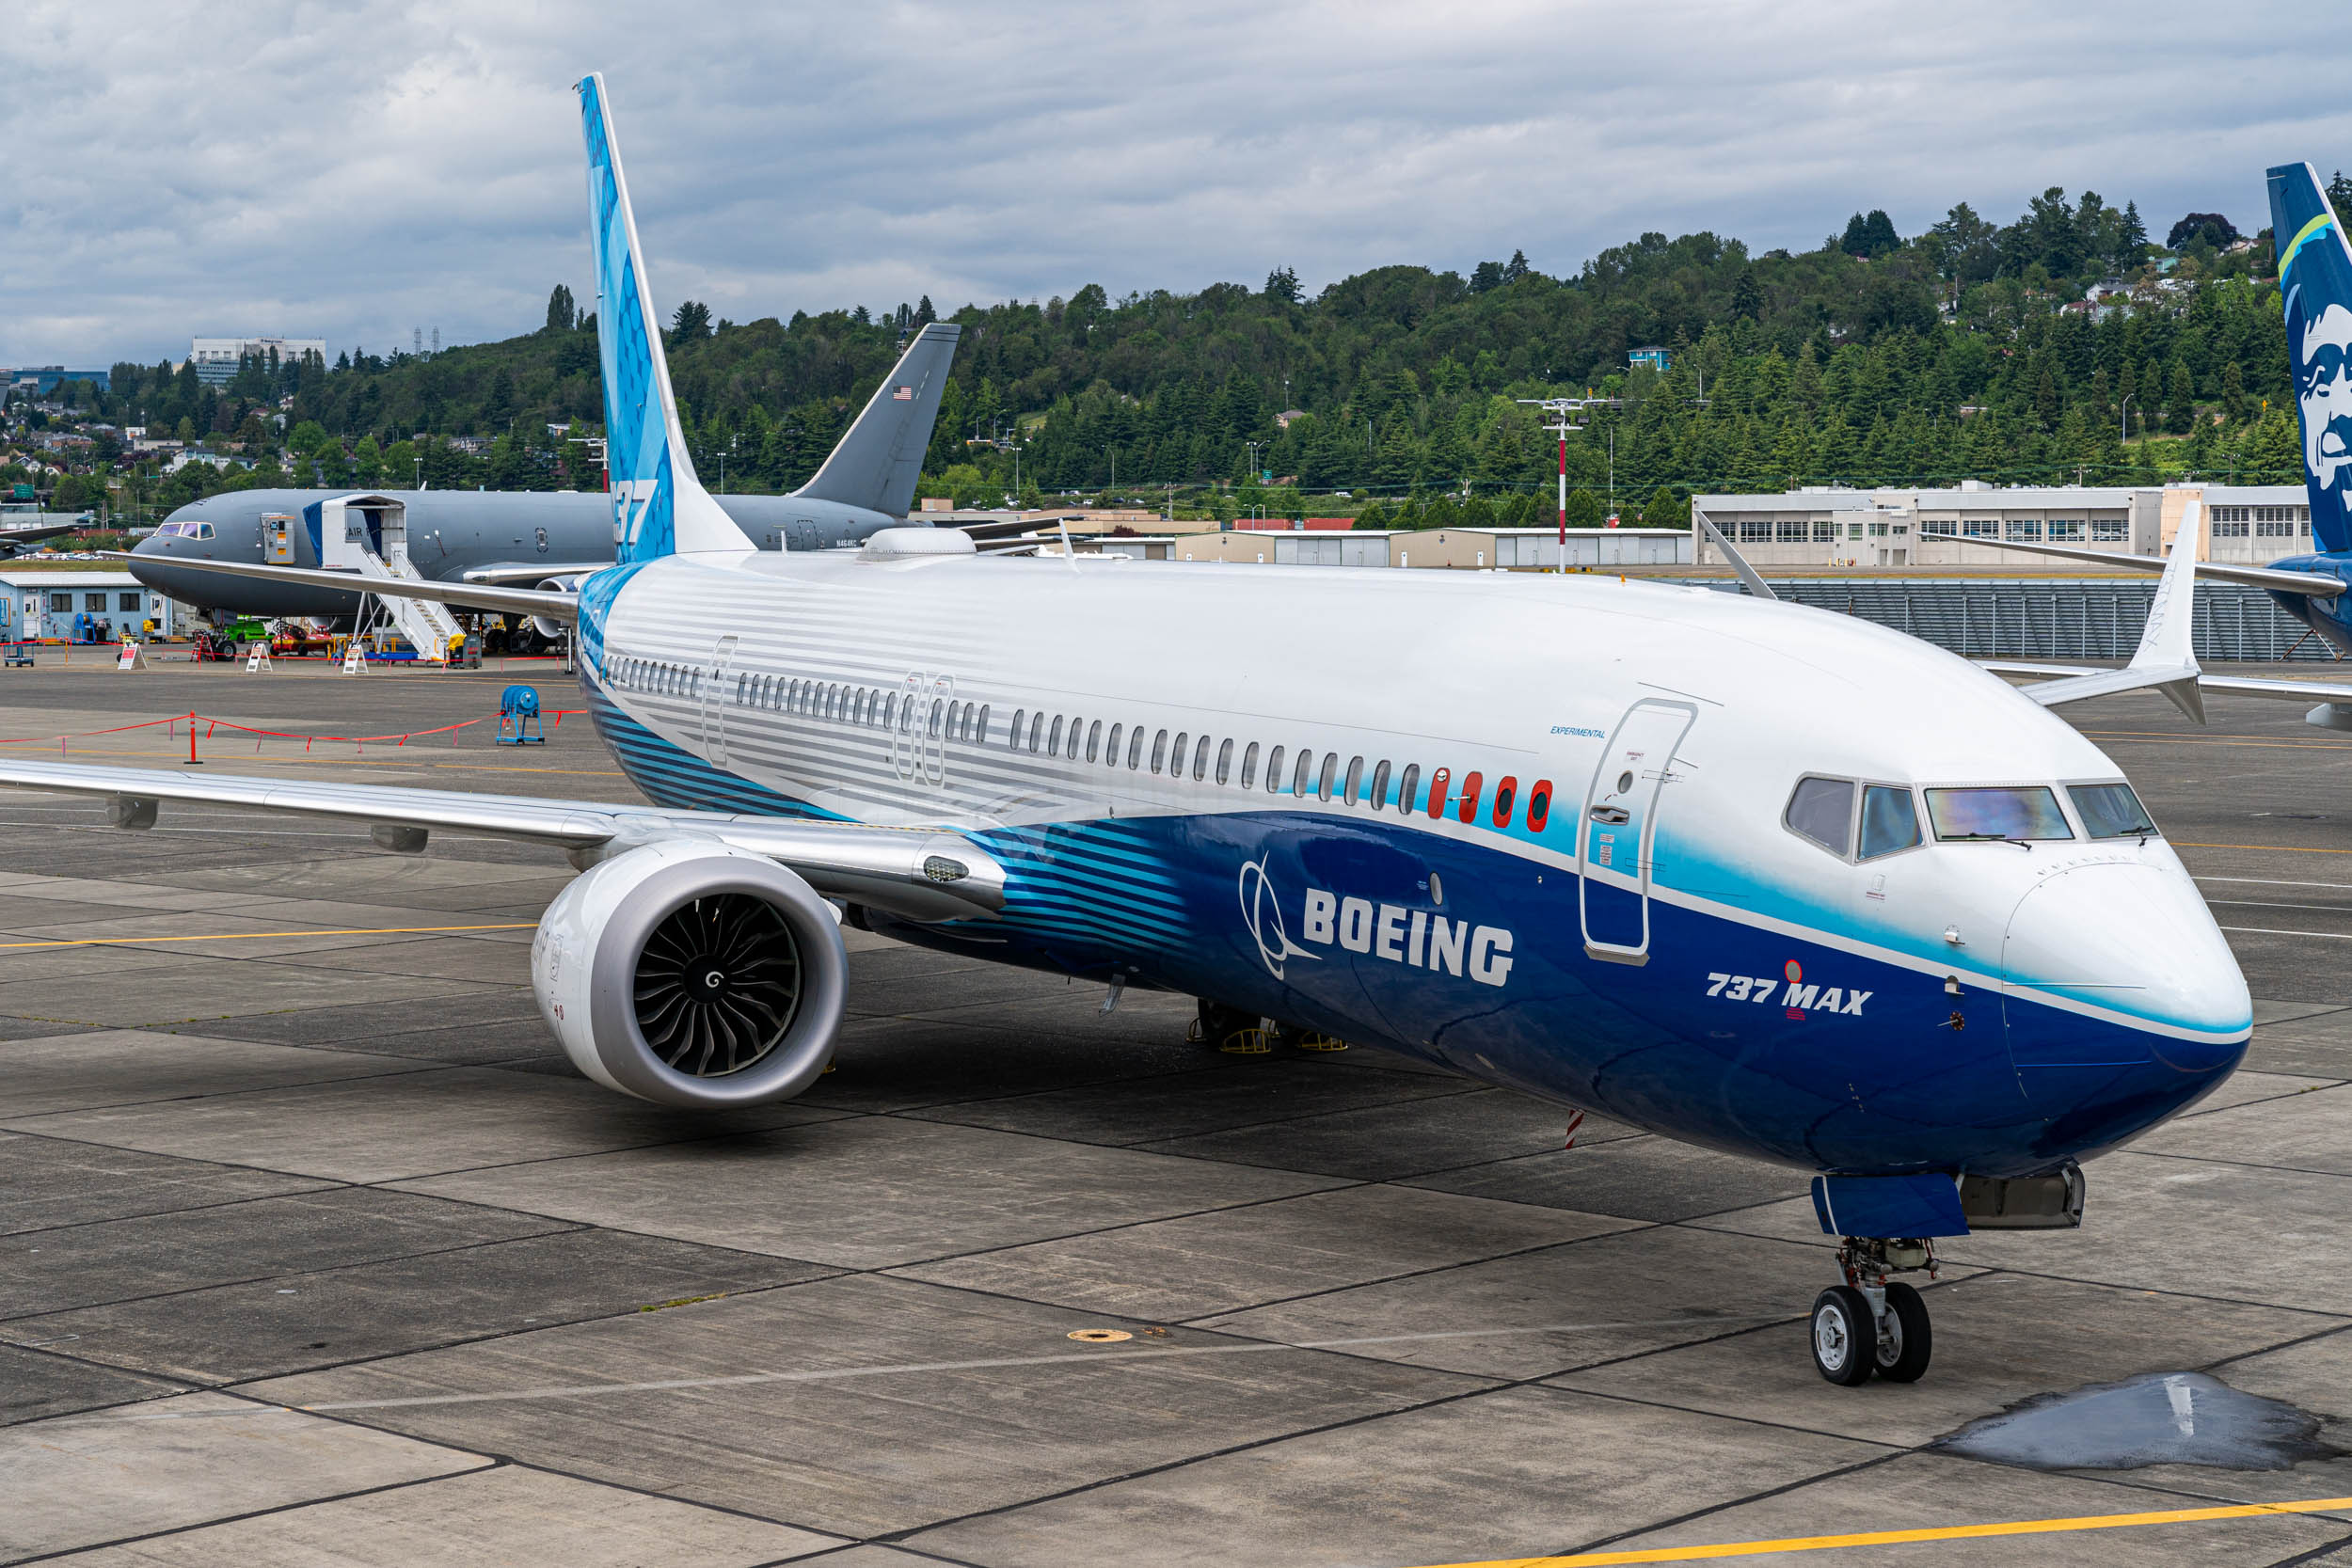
[[1176, 760], [1330, 775], [1539, 806], [1823, 811], [979, 731], [1304, 778], [1134, 749], [955, 719], [1405, 785], [1094, 740], [1889, 821], [1072, 753], [1110, 752], [2028, 813], [939, 715], [1200, 759], [1378, 795], [742, 687], [1224, 762], [1274, 771], [1437, 785], [1053, 744], [1355, 777], [1250, 766], [1472, 783], [1020, 715], [1506, 796], [2107, 810], [1037, 730], [1159, 750]]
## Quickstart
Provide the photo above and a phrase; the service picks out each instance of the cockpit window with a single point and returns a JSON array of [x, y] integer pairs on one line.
[[1823, 811], [2111, 811], [2026, 812], [1889, 821], [186, 531]]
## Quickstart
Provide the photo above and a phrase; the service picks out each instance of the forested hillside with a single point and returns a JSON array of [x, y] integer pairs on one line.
[[1966, 351]]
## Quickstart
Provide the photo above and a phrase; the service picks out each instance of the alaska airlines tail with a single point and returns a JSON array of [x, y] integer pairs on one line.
[[880, 458], [2316, 278], [659, 506]]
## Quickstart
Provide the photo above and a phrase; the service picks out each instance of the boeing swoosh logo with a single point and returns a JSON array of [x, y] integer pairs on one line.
[[1262, 914]]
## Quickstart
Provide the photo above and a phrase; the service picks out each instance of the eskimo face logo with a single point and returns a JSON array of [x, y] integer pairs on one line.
[[1262, 916], [2323, 391]]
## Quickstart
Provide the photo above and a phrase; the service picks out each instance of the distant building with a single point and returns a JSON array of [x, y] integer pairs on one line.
[[42, 380], [1654, 357], [1831, 526], [215, 358]]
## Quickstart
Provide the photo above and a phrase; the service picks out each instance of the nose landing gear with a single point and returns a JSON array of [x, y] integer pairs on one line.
[[1873, 1325]]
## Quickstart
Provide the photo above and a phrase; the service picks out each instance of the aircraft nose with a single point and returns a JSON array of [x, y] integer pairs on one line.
[[2115, 968]]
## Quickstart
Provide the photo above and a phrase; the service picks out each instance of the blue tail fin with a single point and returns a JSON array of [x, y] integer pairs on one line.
[[2316, 278], [659, 506]]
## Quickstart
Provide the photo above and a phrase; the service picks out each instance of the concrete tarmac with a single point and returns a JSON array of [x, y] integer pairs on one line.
[[313, 1249]]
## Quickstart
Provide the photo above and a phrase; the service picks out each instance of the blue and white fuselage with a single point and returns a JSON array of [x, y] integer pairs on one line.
[[1669, 952]]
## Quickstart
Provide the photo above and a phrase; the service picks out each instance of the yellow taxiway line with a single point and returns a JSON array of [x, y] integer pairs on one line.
[[257, 936], [1899, 1537]]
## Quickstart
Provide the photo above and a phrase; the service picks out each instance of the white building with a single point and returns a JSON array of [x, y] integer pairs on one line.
[[1830, 526], [215, 358]]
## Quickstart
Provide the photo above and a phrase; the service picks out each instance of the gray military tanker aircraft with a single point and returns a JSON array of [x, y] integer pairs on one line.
[[530, 537]]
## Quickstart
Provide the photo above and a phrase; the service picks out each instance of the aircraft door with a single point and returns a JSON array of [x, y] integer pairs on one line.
[[277, 542], [1616, 836], [804, 535], [717, 693]]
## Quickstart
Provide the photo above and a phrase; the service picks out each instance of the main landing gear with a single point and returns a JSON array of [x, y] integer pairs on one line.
[[1241, 1034], [1872, 1324]]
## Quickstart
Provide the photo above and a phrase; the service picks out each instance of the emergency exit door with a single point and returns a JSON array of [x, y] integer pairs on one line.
[[717, 693], [1616, 837]]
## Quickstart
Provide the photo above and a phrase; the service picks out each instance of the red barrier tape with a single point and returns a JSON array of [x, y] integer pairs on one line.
[[212, 724]]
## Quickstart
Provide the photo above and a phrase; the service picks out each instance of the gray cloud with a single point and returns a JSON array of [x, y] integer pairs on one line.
[[357, 171]]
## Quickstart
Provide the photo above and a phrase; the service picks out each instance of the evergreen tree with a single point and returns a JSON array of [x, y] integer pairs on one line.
[[560, 311]]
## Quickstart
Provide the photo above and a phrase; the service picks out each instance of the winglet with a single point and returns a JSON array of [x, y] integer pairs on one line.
[[2166, 659], [659, 506], [1746, 572]]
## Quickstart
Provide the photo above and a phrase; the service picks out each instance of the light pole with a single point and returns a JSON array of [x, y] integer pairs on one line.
[[1253, 447], [2127, 415]]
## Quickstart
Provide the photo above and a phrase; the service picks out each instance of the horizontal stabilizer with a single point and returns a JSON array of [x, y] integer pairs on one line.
[[469, 595], [2313, 583]]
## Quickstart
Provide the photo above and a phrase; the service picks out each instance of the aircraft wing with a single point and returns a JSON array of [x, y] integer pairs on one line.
[[470, 595], [924, 873], [13, 539], [2313, 583], [524, 571]]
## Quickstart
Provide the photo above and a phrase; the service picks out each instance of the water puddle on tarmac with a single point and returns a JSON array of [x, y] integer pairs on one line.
[[2163, 1419]]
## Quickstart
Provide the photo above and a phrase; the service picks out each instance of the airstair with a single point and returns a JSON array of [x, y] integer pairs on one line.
[[367, 534]]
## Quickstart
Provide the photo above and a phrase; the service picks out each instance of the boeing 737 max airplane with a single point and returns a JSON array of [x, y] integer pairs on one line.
[[1760, 878]]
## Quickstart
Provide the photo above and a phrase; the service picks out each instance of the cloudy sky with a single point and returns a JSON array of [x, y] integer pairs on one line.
[[361, 170]]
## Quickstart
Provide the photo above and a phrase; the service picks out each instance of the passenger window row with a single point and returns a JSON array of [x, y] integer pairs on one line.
[[655, 676], [865, 707], [1305, 772]]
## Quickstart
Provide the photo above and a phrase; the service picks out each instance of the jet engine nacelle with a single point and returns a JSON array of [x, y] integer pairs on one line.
[[691, 973], [553, 630]]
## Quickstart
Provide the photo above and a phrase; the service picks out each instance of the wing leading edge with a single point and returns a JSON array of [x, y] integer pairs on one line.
[[924, 873]]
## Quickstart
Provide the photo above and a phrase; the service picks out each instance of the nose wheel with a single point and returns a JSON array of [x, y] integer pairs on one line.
[[1873, 1325]]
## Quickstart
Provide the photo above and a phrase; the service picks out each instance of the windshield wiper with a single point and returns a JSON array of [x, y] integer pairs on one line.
[[1991, 838]]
